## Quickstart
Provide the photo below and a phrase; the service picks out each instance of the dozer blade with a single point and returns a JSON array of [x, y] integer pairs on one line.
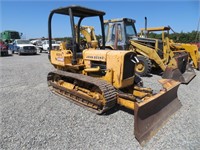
[[179, 70], [151, 114]]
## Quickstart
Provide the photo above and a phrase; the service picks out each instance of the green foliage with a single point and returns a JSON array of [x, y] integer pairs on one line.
[[64, 39], [154, 35], [189, 37]]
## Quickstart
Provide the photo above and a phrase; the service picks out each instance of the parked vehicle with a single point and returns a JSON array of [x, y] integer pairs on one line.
[[45, 45], [3, 49], [8, 36], [23, 47], [38, 44]]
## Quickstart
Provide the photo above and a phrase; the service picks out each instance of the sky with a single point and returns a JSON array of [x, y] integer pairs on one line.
[[30, 17]]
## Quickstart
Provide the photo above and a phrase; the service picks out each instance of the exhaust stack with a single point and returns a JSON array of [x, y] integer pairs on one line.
[[145, 32]]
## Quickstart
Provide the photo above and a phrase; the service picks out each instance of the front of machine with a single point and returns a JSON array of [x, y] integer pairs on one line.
[[99, 79]]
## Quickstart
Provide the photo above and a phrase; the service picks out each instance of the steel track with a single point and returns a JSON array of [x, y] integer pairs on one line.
[[105, 89]]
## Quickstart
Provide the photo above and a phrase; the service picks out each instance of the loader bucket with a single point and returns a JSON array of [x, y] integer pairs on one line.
[[151, 114], [179, 69]]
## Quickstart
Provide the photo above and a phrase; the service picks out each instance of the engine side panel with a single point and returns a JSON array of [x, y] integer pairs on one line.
[[119, 62]]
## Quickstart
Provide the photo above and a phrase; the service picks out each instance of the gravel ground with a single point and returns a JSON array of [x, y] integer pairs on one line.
[[31, 117]]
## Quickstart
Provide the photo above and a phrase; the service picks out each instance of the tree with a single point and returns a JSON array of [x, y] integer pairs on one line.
[[189, 37]]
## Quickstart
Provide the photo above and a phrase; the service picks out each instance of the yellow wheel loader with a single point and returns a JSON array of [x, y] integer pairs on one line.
[[121, 34], [99, 79], [192, 49]]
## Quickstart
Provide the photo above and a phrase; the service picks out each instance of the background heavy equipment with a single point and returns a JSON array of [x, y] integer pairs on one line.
[[9, 36], [99, 79], [121, 34], [90, 39], [192, 49]]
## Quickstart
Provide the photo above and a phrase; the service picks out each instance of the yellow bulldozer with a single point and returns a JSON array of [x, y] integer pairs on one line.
[[99, 79], [192, 49]]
